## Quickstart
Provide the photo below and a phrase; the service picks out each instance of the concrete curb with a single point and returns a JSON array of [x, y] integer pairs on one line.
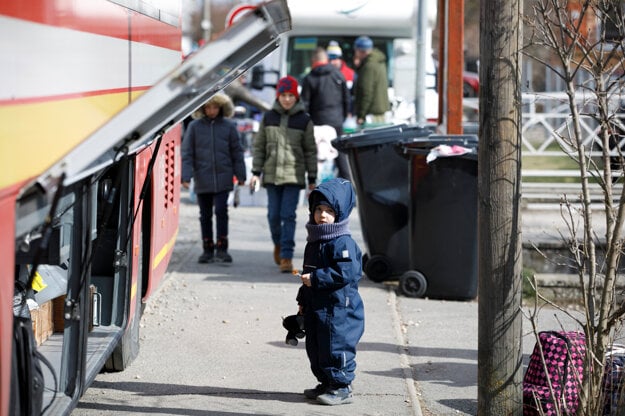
[[403, 357]]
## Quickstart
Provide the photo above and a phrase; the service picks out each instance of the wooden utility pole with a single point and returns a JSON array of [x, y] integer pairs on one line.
[[499, 225]]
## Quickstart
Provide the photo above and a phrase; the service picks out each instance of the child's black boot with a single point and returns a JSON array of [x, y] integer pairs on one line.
[[222, 251], [208, 254]]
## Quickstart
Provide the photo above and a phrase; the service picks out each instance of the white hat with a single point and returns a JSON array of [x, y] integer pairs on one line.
[[334, 50]]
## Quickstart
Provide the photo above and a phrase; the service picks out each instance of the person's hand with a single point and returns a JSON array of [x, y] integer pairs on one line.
[[185, 185], [311, 187], [306, 280], [241, 183], [253, 183]]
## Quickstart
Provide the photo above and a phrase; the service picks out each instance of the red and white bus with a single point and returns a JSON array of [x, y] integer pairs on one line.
[[93, 95]]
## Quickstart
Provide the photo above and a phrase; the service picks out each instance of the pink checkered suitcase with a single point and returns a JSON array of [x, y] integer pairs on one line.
[[564, 354]]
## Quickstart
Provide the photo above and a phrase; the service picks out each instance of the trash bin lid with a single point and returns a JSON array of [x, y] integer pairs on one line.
[[469, 140], [425, 145], [380, 136]]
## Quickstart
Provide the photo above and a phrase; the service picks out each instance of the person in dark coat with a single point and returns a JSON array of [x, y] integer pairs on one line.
[[325, 93], [212, 154], [334, 318], [327, 100]]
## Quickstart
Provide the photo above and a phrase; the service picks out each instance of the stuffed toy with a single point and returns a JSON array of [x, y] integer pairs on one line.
[[294, 324]]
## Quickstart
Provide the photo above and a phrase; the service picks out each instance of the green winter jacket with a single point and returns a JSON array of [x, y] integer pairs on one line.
[[284, 150], [371, 88]]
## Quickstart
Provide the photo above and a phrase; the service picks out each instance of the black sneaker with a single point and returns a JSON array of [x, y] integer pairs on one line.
[[312, 394], [342, 395]]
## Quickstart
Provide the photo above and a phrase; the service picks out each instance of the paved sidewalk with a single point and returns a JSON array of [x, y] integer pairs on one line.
[[417, 356], [212, 342]]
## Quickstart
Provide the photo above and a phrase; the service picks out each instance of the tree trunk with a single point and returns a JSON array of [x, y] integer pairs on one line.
[[499, 247]]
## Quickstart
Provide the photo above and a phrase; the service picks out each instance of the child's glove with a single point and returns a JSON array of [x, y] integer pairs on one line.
[[294, 324]]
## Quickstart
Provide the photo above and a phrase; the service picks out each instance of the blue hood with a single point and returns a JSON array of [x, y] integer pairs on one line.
[[339, 193]]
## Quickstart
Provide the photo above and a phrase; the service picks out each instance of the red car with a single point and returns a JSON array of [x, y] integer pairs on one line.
[[470, 84]]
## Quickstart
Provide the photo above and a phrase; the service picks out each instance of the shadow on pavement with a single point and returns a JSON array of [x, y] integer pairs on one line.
[[162, 389], [119, 408]]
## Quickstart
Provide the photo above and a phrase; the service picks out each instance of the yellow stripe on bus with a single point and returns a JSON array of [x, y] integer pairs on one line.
[[163, 251], [33, 136]]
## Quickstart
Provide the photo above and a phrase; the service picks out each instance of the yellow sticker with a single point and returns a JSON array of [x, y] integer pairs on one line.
[[38, 283]]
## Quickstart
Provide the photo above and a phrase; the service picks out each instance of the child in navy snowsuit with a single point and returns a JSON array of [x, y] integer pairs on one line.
[[333, 310]]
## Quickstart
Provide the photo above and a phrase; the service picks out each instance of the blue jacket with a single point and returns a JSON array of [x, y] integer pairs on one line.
[[334, 316], [213, 155], [332, 256]]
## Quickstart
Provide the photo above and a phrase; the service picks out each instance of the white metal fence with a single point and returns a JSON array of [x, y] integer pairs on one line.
[[546, 123], [546, 126]]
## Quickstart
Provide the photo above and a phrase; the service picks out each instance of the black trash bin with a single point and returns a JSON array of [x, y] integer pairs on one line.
[[442, 218], [380, 175]]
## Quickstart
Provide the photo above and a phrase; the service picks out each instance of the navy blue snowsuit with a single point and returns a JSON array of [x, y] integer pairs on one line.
[[334, 315]]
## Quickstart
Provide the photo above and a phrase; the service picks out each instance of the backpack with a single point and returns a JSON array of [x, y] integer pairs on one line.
[[564, 354]]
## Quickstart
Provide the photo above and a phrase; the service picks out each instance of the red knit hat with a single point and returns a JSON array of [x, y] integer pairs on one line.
[[287, 84]]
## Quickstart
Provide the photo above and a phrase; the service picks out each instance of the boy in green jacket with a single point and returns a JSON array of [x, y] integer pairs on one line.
[[285, 154]]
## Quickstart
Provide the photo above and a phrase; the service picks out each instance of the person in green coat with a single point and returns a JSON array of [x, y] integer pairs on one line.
[[284, 157], [371, 88]]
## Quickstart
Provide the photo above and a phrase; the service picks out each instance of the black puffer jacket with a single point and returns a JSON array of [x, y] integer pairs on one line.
[[326, 96], [212, 154]]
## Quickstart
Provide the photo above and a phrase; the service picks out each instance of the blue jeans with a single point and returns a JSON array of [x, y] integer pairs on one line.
[[281, 213], [206, 202]]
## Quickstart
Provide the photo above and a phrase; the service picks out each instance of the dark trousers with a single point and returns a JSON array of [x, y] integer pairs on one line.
[[331, 339], [206, 201]]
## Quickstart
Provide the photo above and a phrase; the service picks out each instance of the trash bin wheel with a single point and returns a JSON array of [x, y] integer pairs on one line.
[[413, 284], [378, 268]]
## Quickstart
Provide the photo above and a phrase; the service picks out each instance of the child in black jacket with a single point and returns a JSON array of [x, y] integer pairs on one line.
[[329, 298], [212, 154]]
